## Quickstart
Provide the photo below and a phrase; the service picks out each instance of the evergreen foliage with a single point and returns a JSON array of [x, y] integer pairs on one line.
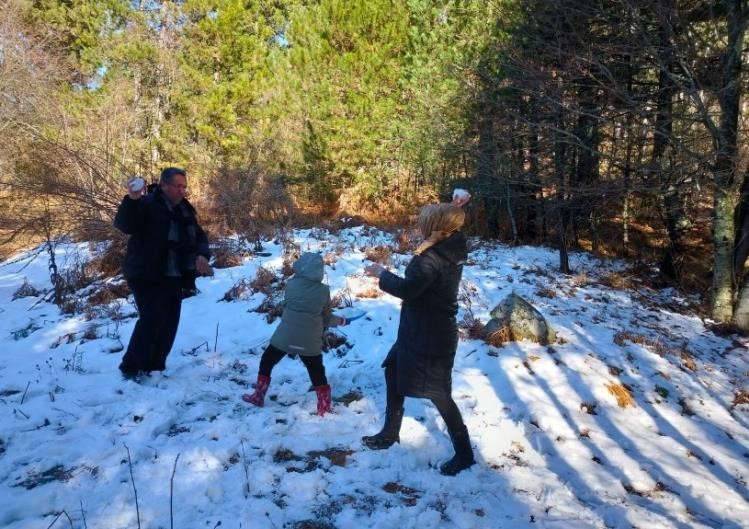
[[571, 122]]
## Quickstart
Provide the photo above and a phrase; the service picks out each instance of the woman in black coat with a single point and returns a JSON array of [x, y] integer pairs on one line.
[[420, 362]]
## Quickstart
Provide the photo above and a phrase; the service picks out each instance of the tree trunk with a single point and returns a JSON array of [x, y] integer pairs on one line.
[[723, 237], [726, 170]]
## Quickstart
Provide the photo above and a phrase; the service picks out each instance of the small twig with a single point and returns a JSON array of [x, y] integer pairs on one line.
[[132, 480], [194, 349], [58, 516], [271, 521], [83, 515], [21, 412], [246, 474], [215, 342], [53, 521], [171, 493], [23, 397]]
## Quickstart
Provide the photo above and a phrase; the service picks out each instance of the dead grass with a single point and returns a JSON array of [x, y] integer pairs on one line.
[[368, 293], [471, 328], [108, 293], [499, 337], [109, 262], [378, 254], [622, 393], [622, 337], [264, 281], [740, 397], [617, 281], [238, 290], [546, 293], [685, 356], [225, 257], [331, 258], [272, 307], [25, 290]]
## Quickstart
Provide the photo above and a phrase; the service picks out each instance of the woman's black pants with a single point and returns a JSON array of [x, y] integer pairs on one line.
[[444, 403]]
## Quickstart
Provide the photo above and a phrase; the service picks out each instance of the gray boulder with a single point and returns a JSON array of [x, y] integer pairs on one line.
[[522, 321]]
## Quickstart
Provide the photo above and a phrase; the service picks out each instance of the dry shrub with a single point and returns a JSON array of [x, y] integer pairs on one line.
[[378, 254], [331, 258], [499, 337], [342, 299], [352, 396], [25, 291], [368, 293], [226, 257], [687, 360], [331, 340], [617, 281], [108, 293], [250, 201], [581, 280], [272, 307], [287, 269], [546, 293], [264, 280], [471, 328], [108, 263], [386, 206], [337, 456], [406, 241], [538, 271], [624, 336], [622, 393], [291, 252], [238, 290], [740, 397]]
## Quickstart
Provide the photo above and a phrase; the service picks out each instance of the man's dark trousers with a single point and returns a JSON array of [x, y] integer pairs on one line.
[[159, 304]]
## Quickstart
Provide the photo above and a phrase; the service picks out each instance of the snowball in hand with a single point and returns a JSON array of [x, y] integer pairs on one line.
[[461, 193], [135, 184]]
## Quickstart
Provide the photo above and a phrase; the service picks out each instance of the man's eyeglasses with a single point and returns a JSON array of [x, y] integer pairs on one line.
[[177, 186]]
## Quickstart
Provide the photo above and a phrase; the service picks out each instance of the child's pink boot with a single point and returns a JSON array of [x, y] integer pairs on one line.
[[324, 401], [261, 387]]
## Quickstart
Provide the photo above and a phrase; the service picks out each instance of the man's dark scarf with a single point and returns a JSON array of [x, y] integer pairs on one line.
[[182, 240]]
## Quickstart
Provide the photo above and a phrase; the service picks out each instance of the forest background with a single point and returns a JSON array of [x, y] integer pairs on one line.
[[616, 126]]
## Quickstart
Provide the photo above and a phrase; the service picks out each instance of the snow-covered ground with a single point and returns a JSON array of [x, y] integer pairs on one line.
[[554, 448]]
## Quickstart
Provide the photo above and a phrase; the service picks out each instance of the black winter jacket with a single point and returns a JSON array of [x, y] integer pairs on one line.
[[147, 221], [424, 351]]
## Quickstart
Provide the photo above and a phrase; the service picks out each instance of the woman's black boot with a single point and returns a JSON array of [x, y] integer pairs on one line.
[[463, 457], [389, 435]]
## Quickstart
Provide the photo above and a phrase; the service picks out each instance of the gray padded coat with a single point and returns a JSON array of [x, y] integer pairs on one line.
[[306, 310]]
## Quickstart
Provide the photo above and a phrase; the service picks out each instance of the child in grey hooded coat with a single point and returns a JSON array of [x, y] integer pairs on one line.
[[306, 313]]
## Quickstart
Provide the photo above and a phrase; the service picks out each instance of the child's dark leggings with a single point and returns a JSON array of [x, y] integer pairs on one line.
[[315, 368]]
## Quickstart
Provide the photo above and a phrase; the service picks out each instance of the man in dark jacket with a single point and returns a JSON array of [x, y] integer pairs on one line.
[[166, 248], [420, 363]]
